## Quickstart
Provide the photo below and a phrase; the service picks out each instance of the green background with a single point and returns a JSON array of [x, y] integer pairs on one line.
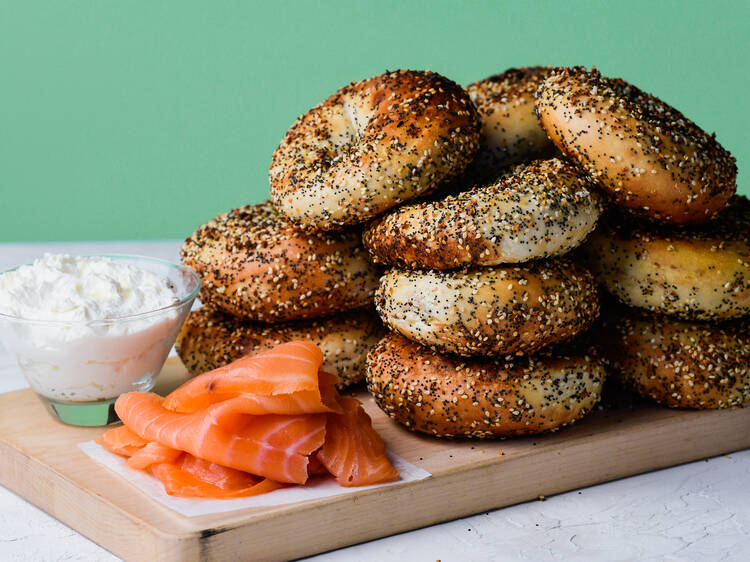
[[140, 120]]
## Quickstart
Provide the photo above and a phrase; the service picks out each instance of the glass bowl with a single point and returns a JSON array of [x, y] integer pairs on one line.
[[79, 368]]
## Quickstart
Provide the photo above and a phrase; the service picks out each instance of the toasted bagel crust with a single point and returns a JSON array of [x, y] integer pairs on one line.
[[210, 339], [511, 132], [536, 210], [699, 273], [648, 156], [490, 311], [677, 363], [257, 265], [451, 397], [372, 145]]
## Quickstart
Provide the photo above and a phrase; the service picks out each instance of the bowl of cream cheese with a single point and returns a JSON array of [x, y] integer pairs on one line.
[[85, 329]]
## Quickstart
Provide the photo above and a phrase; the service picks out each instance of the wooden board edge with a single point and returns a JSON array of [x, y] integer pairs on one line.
[[100, 521]]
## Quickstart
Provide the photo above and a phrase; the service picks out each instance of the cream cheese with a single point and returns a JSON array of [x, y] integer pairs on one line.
[[76, 288], [73, 327]]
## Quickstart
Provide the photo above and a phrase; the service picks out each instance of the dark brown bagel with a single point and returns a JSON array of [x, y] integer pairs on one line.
[[449, 396], [648, 156], [210, 339], [490, 311], [536, 210], [699, 272], [372, 145], [257, 265], [676, 363], [510, 130]]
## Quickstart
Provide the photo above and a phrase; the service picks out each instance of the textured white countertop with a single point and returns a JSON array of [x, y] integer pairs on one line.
[[697, 511]]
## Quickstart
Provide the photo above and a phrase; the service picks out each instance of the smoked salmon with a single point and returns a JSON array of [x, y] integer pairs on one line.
[[121, 441], [183, 474], [273, 446], [194, 477], [250, 427], [283, 380], [353, 451], [153, 453]]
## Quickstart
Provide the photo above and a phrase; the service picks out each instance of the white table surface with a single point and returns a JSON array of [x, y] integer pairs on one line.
[[697, 511]]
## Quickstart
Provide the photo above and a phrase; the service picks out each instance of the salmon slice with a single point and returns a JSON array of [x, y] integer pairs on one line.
[[273, 446], [227, 412], [181, 473], [353, 451], [153, 453], [121, 441], [288, 373], [323, 400], [194, 477]]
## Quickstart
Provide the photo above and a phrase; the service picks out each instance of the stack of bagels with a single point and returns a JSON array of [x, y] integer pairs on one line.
[[480, 222], [480, 292]]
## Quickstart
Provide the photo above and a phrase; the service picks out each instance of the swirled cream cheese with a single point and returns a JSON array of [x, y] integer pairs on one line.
[[74, 331]]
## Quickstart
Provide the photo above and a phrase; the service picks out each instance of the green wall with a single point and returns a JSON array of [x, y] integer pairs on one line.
[[141, 119]]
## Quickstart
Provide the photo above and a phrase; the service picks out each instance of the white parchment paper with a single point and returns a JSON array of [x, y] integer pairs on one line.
[[318, 487]]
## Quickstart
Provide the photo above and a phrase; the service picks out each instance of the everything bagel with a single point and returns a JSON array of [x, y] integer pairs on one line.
[[257, 265], [449, 396], [490, 311], [372, 145], [537, 210], [648, 156], [700, 272], [510, 130], [677, 363]]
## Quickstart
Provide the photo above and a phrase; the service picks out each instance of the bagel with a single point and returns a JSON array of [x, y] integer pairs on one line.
[[510, 130], [210, 339], [372, 145], [448, 396], [699, 273], [541, 209], [677, 363], [650, 158], [255, 264], [490, 311]]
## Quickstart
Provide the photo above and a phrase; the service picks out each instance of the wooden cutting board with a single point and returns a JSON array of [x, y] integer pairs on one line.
[[39, 460]]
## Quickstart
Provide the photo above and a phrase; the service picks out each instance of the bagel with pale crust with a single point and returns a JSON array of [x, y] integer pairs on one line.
[[678, 363], [490, 311], [650, 158], [700, 272], [256, 264], [510, 130], [371, 146], [536, 210], [448, 396], [210, 339]]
